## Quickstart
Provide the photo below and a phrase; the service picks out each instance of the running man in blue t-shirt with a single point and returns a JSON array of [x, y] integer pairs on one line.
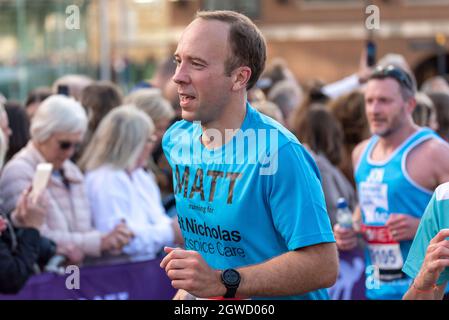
[[248, 195]]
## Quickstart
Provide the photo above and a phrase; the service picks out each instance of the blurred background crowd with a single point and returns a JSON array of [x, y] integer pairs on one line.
[[95, 100]]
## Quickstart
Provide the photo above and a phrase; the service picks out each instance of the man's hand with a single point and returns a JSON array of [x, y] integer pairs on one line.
[[402, 226], [188, 271], [183, 295], [346, 238], [436, 259]]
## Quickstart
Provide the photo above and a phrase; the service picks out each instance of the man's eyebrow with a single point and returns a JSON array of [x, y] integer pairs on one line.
[[192, 58]]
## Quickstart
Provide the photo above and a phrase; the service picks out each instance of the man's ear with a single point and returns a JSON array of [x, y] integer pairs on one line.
[[411, 105], [240, 77]]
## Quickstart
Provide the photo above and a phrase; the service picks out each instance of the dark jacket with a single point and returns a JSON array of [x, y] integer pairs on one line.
[[16, 266], [21, 250]]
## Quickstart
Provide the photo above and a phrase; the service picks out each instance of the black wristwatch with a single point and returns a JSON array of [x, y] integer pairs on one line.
[[231, 280]]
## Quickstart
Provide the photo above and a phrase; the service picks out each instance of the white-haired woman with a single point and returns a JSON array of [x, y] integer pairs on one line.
[[56, 130], [118, 187]]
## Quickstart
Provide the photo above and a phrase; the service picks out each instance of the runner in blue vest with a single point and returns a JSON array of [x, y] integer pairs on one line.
[[396, 171], [248, 195]]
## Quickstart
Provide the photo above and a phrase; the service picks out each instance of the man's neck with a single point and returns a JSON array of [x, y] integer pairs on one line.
[[231, 119], [387, 145]]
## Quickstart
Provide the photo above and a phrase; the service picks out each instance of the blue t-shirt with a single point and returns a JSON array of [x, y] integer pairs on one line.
[[256, 197], [435, 219]]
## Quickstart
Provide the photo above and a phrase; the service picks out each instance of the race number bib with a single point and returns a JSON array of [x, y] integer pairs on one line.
[[384, 251], [373, 198], [386, 256]]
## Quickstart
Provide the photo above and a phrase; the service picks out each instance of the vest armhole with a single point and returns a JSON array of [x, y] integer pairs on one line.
[[404, 164]]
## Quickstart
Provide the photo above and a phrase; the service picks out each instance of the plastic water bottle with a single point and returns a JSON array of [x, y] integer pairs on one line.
[[344, 215]]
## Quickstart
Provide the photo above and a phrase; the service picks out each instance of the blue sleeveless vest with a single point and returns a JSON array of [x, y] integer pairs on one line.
[[384, 187]]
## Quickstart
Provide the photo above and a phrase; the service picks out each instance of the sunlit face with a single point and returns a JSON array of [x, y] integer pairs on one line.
[[386, 109], [60, 147], [203, 87]]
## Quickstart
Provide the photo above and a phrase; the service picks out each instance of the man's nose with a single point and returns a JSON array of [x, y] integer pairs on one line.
[[374, 106], [181, 76]]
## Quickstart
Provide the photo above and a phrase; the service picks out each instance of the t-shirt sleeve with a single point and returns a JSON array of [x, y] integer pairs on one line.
[[170, 142], [166, 145], [428, 228], [296, 199]]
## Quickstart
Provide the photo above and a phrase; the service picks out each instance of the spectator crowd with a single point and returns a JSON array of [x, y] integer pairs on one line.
[[111, 193]]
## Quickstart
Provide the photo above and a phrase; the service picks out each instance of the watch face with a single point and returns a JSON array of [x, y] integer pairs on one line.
[[231, 277]]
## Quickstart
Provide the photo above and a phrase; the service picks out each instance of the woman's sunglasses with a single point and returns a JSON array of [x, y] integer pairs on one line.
[[65, 145]]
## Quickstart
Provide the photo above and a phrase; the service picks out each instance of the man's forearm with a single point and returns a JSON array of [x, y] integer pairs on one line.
[[293, 273]]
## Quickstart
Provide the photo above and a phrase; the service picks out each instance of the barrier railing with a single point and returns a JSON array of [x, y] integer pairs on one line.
[[122, 280]]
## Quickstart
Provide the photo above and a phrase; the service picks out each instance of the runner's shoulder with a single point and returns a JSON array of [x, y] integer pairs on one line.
[[434, 147], [358, 150]]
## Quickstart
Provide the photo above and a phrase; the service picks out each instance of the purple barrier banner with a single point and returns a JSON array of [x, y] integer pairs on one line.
[[143, 280], [350, 284]]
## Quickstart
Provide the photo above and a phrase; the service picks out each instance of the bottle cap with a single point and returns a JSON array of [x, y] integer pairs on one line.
[[341, 203]]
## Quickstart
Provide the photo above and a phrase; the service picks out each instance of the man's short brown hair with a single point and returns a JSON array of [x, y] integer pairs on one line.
[[248, 46]]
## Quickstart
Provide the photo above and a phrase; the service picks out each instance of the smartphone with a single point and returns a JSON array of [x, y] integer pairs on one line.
[[371, 53], [63, 89], [40, 179]]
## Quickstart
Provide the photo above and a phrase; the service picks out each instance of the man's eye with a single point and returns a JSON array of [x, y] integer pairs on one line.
[[196, 64]]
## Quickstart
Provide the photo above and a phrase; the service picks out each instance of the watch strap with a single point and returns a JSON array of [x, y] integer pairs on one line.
[[230, 292]]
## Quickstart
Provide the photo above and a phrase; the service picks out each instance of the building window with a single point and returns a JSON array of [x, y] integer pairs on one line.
[[325, 4], [37, 47], [426, 2], [336, 2]]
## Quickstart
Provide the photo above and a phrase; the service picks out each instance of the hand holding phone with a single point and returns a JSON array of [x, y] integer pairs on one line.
[[40, 180]]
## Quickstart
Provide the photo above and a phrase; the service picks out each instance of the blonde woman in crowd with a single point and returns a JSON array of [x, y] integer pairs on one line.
[[57, 129], [115, 158], [155, 106], [161, 112]]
